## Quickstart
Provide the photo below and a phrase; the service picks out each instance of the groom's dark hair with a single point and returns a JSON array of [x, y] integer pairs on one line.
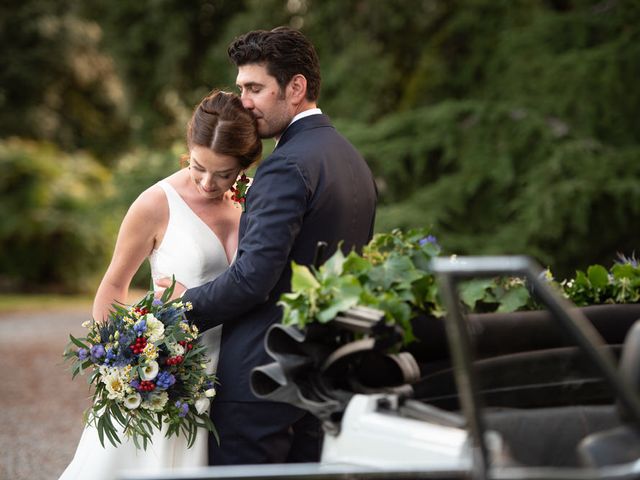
[[284, 51]]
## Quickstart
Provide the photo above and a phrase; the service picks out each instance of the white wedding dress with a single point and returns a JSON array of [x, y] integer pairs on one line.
[[194, 255]]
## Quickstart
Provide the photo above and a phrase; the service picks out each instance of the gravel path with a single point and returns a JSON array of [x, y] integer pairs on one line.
[[40, 407]]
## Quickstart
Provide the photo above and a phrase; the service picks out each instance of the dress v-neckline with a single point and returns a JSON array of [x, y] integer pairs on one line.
[[203, 223]]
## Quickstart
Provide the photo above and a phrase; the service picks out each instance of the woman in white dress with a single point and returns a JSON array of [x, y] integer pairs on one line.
[[187, 226]]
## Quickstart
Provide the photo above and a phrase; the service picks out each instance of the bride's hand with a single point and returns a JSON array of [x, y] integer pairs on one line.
[[164, 283]]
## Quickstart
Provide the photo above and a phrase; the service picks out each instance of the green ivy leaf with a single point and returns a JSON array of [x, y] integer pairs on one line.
[[514, 299], [302, 279], [346, 294], [475, 290], [396, 270], [354, 264], [333, 266]]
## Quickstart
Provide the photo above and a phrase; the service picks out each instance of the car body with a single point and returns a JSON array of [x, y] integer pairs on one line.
[[526, 395]]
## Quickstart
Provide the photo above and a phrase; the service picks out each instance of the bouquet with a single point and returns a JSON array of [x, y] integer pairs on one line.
[[148, 370]]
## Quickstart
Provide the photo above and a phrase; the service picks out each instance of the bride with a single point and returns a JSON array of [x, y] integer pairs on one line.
[[187, 226]]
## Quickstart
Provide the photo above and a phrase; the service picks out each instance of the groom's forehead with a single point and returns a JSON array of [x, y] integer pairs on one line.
[[253, 73]]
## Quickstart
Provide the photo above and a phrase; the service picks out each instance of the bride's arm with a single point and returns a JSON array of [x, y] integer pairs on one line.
[[136, 240]]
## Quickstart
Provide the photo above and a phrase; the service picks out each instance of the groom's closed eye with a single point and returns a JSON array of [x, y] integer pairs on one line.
[[250, 87]]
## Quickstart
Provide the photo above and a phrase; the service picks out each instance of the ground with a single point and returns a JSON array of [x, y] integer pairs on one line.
[[40, 406]]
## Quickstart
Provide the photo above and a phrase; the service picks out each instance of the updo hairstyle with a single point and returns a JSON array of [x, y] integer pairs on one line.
[[221, 123]]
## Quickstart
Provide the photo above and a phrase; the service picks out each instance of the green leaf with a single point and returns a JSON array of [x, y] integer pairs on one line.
[[76, 369], [118, 414], [581, 280], [598, 276], [397, 270], [514, 299], [302, 279], [333, 266], [78, 343], [354, 264], [348, 296], [624, 270], [475, 290], [100, 428], [166, 295]]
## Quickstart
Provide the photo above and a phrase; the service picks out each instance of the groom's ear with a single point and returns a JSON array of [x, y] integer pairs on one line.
[[297, 88]]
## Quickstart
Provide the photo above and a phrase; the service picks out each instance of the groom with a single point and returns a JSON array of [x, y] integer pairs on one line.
[[314, 187]]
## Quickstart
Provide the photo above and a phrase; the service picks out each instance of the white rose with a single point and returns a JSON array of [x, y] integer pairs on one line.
[[133, 401], [150, 370], [155, 328], [210, 393], [202, 404]]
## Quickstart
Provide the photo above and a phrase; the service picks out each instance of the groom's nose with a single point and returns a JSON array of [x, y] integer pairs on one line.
[[246, 101]]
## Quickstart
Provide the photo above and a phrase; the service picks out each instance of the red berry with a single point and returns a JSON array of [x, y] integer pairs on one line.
[[147, 386]]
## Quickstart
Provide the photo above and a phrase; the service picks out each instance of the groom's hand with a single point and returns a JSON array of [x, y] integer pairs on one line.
[[164, 283]]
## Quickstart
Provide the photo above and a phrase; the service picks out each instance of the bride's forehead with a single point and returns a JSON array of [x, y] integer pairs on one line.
[[207, 158]]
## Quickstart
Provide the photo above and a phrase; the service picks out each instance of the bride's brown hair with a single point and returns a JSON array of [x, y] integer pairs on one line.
[[221, 123]]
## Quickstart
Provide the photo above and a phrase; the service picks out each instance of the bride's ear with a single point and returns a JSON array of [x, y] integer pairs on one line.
[[185, 160]]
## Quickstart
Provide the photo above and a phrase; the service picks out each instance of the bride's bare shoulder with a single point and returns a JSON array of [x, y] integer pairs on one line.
[[151, 205]]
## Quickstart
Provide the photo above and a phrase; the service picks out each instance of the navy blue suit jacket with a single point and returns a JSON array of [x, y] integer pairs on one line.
[[314, 187]]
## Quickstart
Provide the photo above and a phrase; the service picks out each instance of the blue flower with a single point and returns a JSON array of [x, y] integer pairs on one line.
[[428, 239], [83, 353], [140, 327], [632, 260], [97, 351], [157, 302], [164, 380], [110, 356], [183, 407]]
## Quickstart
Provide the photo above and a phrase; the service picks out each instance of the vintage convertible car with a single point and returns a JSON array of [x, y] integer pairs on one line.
[[528, 395]]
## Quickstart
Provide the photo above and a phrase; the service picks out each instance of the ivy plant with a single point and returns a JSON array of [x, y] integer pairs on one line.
[[393, 275]]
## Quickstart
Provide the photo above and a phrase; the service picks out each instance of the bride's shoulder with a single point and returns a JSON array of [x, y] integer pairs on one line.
[[151, 204]]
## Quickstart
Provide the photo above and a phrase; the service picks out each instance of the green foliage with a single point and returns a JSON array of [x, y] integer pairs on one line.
[[139, 169], [391, 274], [50, 234], [573, 65], [500, 295], [60, 213], [503, 127], [620, 284], [56, 83], [496, 179]]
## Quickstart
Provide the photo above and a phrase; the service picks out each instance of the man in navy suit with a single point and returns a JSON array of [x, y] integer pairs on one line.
[[314, 187]]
